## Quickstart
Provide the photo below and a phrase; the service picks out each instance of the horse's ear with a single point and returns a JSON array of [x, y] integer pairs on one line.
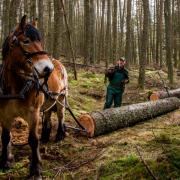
[[23, 22], [35, 22]]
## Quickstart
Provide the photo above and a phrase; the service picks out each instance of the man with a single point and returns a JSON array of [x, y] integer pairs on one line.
[[118, 77]]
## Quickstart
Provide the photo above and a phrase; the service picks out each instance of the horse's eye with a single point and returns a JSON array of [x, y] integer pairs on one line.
[[27, 41]]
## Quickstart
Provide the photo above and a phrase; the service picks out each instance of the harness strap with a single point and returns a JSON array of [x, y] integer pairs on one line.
[[29, 55], [22, 93], [66, 105]]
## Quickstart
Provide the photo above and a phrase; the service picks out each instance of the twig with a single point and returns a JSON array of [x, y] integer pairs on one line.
[[62, 168], [69, 166], [145, 164]]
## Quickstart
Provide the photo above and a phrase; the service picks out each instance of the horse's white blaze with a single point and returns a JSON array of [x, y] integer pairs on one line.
[[42, 64]]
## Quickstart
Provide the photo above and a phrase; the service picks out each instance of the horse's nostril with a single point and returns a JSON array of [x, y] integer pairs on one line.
[[47, 70]]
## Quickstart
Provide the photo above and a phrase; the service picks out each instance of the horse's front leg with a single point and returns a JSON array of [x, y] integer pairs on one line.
[[33, 140], [46, 127], [61, 131], [6, 156]]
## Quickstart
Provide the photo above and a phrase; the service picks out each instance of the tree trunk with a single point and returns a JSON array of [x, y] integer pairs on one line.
[[128, 32], [144, 44], [178, 9], [122, 19], [165, 94], [86, 32], [58, 22], [108, 36], [101, 36], [168, 30], [92, 32], [102, 122], [49, 43], [6, 7], [160, 35], [115, 31], [13, 13], [69, 39], [33, 13], [41, 17], [26, 7]]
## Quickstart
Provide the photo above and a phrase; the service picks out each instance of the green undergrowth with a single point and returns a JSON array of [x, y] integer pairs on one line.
[[161, 155], [131, 167], [79, 97]]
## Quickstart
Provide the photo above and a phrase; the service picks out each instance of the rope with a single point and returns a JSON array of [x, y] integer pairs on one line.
[[47, 109]]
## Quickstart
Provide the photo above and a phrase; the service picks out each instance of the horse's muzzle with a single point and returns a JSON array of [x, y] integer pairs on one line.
[[47, 71], [44, 68]]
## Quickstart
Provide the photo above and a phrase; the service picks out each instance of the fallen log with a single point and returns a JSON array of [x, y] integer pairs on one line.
[[102, 122], [165, 94]]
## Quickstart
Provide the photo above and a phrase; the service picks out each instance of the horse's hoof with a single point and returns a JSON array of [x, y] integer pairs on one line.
[[34, 177], [45, 138], [35, 172], [44, 141], [60, 137], [5, 165]]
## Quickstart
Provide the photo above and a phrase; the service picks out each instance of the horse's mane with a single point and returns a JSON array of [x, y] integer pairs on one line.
[[5, 48], [29, 31], [32, 33]]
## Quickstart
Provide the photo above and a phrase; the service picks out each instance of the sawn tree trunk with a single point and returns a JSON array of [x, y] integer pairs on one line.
[[102, 122], [165, 94]]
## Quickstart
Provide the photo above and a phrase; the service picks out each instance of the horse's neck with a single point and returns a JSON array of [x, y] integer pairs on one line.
[[11, 83]]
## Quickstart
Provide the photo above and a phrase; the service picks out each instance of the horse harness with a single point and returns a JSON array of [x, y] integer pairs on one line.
[[32, 79]]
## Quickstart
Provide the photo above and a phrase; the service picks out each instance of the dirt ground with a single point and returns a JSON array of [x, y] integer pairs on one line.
[[118, 155]]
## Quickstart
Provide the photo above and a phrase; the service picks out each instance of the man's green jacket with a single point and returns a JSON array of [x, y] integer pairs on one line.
[[117, 77]]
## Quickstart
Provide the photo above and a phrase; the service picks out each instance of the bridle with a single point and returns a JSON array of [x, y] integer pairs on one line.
[[32, 79], [28, 55]]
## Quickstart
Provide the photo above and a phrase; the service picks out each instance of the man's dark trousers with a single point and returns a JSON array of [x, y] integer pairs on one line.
[[113, 94]]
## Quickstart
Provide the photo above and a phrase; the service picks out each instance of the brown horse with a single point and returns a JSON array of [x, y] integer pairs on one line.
[[57, 84], [25, 67]]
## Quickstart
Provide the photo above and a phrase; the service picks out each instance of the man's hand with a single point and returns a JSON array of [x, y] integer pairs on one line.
[[125, 81], [109, 72]]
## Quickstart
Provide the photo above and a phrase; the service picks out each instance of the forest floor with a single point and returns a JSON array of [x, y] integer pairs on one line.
[[117, 155]]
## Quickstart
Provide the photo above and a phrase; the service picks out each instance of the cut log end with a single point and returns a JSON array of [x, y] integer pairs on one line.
[[164, 94], [87, 122], [154, 96]]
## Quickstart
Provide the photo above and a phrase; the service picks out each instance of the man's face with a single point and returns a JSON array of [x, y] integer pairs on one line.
[[121, 63]]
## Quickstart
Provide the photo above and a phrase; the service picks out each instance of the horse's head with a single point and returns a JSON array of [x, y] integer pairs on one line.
[[23, 51]]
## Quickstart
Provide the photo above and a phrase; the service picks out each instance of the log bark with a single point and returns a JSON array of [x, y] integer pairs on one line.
[[165, 94], [102, 122]]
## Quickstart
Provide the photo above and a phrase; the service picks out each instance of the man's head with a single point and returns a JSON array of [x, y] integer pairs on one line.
[[121, 62]]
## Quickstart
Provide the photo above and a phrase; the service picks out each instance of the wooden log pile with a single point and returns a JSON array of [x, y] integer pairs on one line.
[[102, 122]]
